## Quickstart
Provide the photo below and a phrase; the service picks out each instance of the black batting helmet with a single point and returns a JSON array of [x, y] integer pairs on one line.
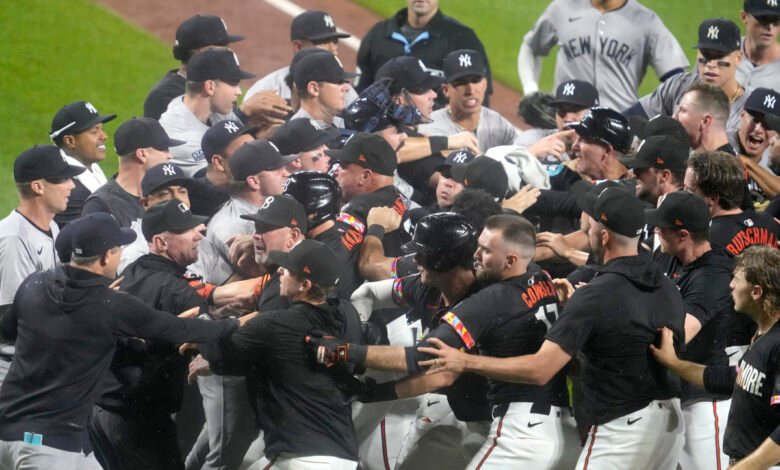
[[443, 241], [606, 126], [319, 194]]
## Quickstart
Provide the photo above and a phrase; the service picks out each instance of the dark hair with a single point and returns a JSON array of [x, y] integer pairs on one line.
[[761, 266], [514, 229], [719, 174], [712, 100], [303, 93], [697, 237], [678, 178], [25, 190], [194, 88], [476, 206]]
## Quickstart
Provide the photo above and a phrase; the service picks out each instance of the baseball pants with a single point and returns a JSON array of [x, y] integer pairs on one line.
[[437, 439], [381, 429], [230, 424], [529, 437], [651, 438], [705, 423], [309, 462], [16, 455]]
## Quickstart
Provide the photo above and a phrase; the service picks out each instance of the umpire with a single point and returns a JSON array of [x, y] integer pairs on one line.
[[303, 407], [65, 322]]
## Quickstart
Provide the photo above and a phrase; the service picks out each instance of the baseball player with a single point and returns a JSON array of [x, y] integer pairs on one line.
[[309, 29], [629, 402], [303, 138], [682, 224], [465, 71], [761, 52], [752, 139], [703, 112], [214, 76], [751, 436], [717, 59], [607, 43], [77, 129], [321, 83]]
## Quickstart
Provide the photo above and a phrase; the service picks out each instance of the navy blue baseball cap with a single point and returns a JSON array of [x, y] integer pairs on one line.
[[216, 64], [464, 63], [171, 215], [255, 157], [410, 74], [43, 162], [201, 31], [301, 135], [141, 133], [458, 157], [220, 135], [719, 35], [164, 175], [95, 234], [75, 118], [314, 26]]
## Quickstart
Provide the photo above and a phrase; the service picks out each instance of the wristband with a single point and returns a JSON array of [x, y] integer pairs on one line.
[[357, 353], [377, 231], [439, 143]]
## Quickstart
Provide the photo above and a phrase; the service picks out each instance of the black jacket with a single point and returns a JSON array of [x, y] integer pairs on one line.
[[65, 323], [149, 376], [303, 406], [447, 34]]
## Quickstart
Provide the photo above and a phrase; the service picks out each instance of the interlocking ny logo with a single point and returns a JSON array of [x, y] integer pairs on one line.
[[769, 101], [464, 60], [329, 21], [267, 203], [713, 32], [771, 3], [169, 170], [460, 157], [568, 89], [231, 127], [90, 108]]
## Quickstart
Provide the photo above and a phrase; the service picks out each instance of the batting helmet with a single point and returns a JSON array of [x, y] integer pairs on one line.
[[443, 241], [318, 193], [606, 126]]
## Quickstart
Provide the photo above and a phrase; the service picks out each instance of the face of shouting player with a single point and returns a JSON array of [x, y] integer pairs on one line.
[[466, 95], [278, 239], [753, 134], [691, 118], [182, 248]]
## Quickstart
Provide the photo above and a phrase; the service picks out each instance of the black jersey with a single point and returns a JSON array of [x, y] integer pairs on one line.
[[704, 285], [755, 414], [506, 319], [268, 294], [355, 213], [347, 254], [613, 320], [734, 233]]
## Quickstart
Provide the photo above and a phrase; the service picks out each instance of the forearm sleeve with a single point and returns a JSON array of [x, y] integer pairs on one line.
[[529, 67], [372, 296], [720, 379], [445, 333]]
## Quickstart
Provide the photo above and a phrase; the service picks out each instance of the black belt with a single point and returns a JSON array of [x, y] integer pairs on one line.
[[536, 408]]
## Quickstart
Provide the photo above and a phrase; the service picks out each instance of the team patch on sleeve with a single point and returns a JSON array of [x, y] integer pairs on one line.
[[460, 329], [352, 221], [774, 400], [394, 268], [398, 292]]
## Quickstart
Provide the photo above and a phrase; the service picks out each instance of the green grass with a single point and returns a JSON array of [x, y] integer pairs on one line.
[[501, 25], [57, 52]]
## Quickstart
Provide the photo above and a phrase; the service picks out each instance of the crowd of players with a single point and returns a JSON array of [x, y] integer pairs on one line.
[[377, 270]]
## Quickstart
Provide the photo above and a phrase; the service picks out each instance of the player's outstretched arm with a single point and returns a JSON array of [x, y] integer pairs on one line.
[[767, 455], [538, 368]]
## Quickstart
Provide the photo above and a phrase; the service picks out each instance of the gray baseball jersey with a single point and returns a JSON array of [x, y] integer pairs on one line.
[[752, 76], [493, 129], [24, 249], [179, 122], [275, 81], [665, 98], [610, 50], [226, 223], [337, 121]]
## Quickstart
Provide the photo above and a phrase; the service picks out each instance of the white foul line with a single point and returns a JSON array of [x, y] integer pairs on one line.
[[293, 10]]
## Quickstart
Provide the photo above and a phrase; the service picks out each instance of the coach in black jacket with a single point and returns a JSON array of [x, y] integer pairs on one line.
[[65, 323]]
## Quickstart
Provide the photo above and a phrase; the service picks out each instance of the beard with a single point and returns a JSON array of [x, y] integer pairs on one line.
[[487, 276]]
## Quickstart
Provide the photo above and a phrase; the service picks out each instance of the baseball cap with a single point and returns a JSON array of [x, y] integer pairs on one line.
[[98, 233], [680, 209], [75, 118], [764, 101], [301, 135], [203, 30], [216, 64], [462, 63], [162, 176], [772, 122], [278, 211], [537, 111], [323, 67], [141, 133], [616, 209], [43, 162], [719, 34], [410, 74], [606, 126], [659, 151], [761, 7], [482, 173], [462, 157], [660, 124], [171, 215], [576, 92], [312, 260], [314, 26], [255, 157], [220, 135], [369, 151]]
